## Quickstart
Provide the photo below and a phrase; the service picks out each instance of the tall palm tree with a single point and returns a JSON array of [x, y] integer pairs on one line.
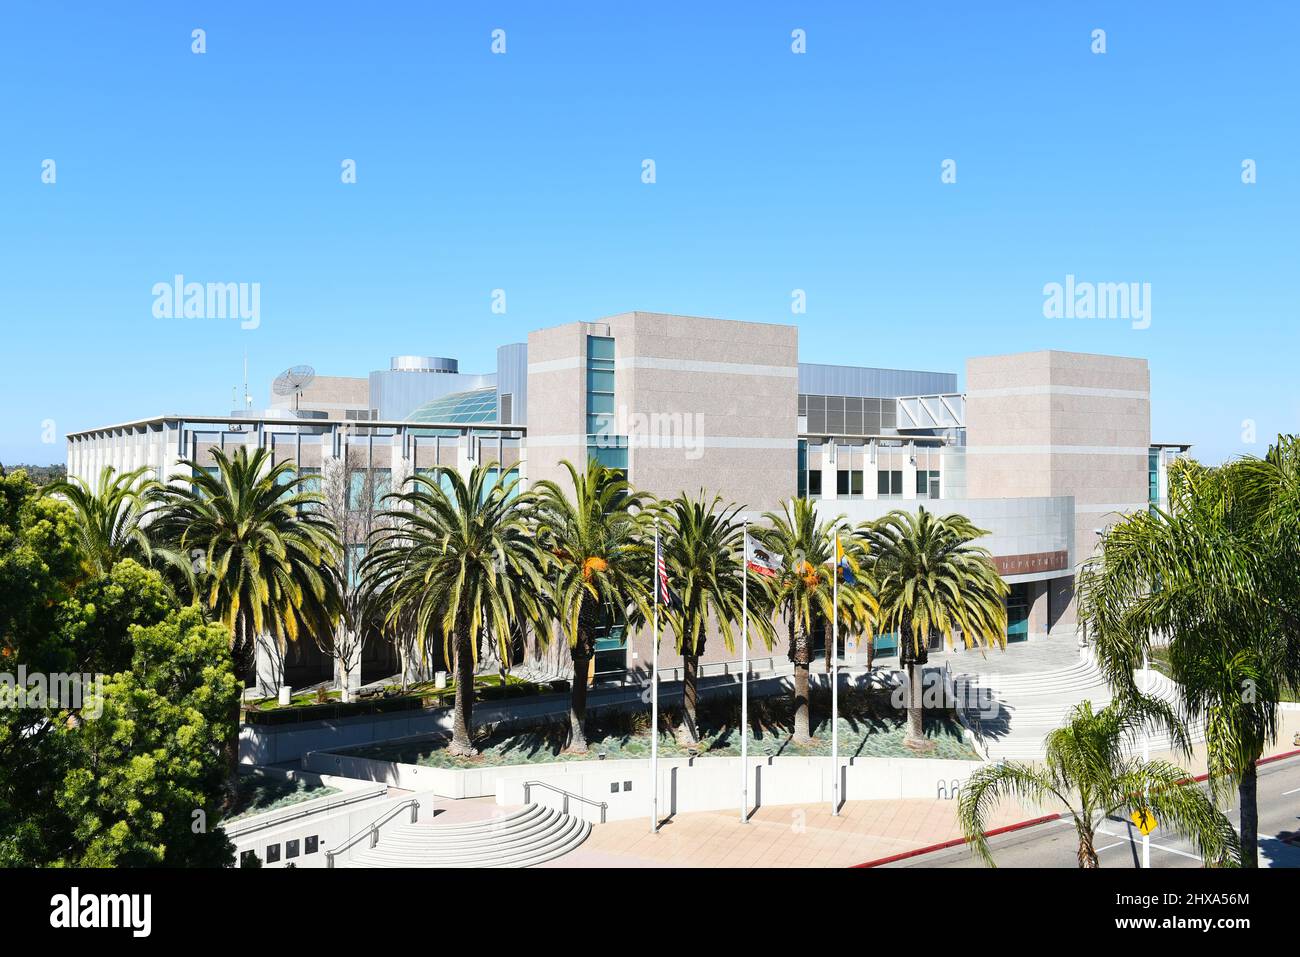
[[702, 552], [932, 580], [1087, 770], [460, 560], [253, 558], [599, 566], [1216, 575], [110, 516], [261, 560], [803, 591]]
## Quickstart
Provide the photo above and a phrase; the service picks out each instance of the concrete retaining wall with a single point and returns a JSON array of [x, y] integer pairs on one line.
[[685, 784]]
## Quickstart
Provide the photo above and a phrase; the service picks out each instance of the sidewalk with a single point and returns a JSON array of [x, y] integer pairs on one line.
[[791, 835], [1288, 726]]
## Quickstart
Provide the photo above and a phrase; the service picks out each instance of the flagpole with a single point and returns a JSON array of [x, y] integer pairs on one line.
[[654, 696], [835, 681], [1146, 756], [744, 679]]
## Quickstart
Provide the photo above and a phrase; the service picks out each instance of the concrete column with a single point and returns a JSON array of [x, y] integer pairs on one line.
[[1038, 624], [400, 467], [270, 667], [909, 473], [830, 465]]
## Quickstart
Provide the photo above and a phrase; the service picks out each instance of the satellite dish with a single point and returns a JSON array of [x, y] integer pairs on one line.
[[292, 381]]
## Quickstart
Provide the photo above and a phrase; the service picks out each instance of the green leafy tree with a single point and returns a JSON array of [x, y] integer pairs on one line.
[[803, 592], [931, 580], [145, 782], [1215, 577], [460, 560], [58, 620], [1088, 772], [599, 566]]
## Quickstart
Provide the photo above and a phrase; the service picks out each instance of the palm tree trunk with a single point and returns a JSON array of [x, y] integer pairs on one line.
[[461, 743], [1087, 851], [830, 644], [578, 697], [915, 737], [1249, 817], [802, 665], [690, 697], [240, 659]]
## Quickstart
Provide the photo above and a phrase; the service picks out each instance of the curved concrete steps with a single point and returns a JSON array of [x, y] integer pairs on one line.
[[1013, 714], [521, 839]]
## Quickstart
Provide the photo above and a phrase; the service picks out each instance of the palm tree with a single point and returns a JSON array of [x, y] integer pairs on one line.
[[263, 560], [1086, 769], [932, 580], [460, 560], [1215, 576], [110, 524], [261, 563], [701, 549], [599, 566], [803, 591]]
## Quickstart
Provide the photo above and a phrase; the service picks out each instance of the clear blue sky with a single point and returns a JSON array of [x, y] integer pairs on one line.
[[775, 172]]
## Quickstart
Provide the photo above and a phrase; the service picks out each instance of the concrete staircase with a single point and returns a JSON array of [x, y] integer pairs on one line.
[[1011, 714], [521, 839]]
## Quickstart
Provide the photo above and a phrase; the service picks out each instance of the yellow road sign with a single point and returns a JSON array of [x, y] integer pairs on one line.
[[1143, 820]]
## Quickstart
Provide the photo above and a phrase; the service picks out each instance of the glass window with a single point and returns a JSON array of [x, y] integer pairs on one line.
[[855, 483], [380, 486], [815, 484], [613, 458], [842, 482], [600, 347], [510, 476], [600, 380], [1018, 612]]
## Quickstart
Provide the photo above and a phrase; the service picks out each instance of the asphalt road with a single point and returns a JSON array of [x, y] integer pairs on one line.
[[1053, 843]]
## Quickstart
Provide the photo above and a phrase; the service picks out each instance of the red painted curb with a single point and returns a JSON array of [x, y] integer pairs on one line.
[[958, 841]]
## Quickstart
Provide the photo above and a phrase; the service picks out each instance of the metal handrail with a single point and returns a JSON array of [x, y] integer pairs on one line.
[[529, 785], [373, 829], [250, 827]]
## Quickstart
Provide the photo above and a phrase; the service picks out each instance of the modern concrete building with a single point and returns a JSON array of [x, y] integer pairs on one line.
[[1043, 449]]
